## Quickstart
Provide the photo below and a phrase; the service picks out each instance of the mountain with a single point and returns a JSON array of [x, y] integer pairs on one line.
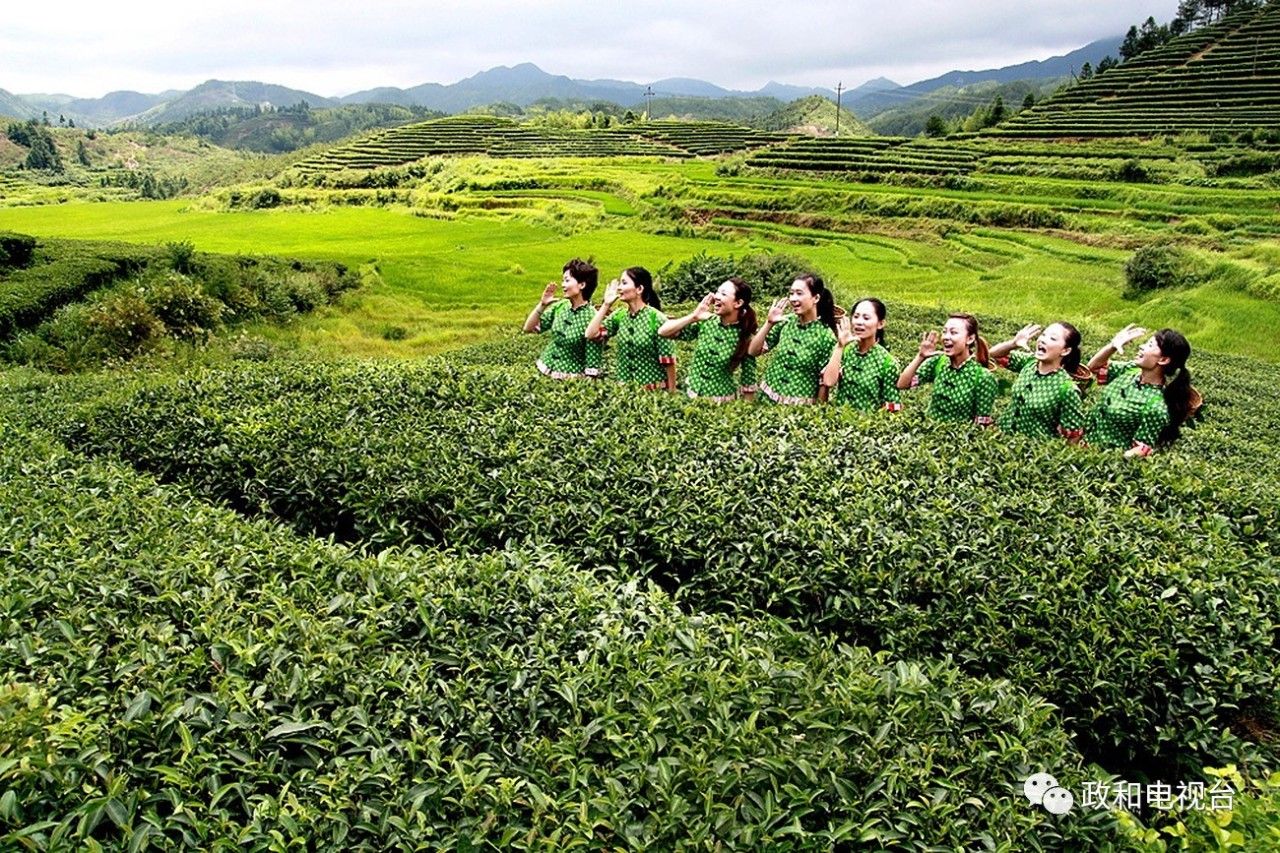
[[221, 94], [784, 92], [874, 102], [955, 103], [13, 106], [814, 115], [111, 107]]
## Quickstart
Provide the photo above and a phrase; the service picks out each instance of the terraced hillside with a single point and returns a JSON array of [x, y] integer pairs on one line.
[[500, 137], [1221, 77]]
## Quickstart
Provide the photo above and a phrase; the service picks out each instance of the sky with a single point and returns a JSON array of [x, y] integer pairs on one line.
[[334, 48]]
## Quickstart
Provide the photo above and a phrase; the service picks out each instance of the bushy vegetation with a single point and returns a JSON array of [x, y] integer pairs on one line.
[[1159, 266], [174, 676], [139, 298], [694, 278], [1043, 564]]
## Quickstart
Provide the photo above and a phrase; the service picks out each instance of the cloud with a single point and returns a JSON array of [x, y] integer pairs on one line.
[[333, 48]]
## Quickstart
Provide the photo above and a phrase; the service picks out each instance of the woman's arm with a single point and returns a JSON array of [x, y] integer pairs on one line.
[[928, 348], [597, 322], [532, 322], [672, 328], [1129, 333], [1018, 341], [773, 318], [844, 337]]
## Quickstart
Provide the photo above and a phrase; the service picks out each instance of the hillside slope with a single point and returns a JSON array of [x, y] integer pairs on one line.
[[1224, 77]]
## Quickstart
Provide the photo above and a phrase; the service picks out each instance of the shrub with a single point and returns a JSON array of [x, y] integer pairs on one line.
[[16, 249], [1157, 267], [164, 651], [181, 256], [908, 549], [184, 308], [692, 279]]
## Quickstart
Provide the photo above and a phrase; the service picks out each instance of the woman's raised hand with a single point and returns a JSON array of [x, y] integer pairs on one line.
[[704, 309], [1127, 335], [777, 311], [1025, 334], [928, 344], [844, 332], [549, 293], [611, 293]]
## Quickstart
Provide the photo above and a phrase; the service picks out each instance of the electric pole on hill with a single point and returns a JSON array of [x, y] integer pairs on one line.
[[648, 102], [839, 89]]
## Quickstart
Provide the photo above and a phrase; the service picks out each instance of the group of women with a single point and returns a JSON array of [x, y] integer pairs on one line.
[[816, 355]]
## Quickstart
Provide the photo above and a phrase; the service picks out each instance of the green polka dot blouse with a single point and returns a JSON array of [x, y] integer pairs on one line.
[[710, 374], [1042, 405], [640, 354], [967, 393], [868, 381], [568, 355], [1129, 414], [798, 354]]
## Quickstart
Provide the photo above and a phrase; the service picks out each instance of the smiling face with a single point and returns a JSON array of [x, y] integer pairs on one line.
[[956, 339], [865, 322], [1149, 356], [627, 290], [572, 287], [726, 302], [1052, 345], [802, 300]]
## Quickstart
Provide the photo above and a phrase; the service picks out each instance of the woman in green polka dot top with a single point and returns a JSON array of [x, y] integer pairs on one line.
[[568, 355], [861, 370], [963, 389], [642, 357], [1144, 402], [800, 344], [1045, 402], [722, 347]]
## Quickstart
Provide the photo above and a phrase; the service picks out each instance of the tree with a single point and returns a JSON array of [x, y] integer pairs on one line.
[[1029, 101], [1086, 72], [82, 153], [936, 126], [997, 111], [1108, 62]]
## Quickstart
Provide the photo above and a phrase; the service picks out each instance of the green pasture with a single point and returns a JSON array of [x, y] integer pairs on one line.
[[448, 282]]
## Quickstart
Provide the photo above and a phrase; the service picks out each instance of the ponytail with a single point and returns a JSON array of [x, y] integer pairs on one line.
[[747, 322], [1177, 383], [1071, 361]]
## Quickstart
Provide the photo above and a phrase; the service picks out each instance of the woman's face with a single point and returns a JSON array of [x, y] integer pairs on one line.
[[955, 337], [1149, 356], [726, 300], [864, 321], [627, 289], [802, 301], [572, 287], [1052, 344]]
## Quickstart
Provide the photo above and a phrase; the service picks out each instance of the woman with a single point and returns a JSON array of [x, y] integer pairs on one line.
[[568, 355], [861, 370], [643, 357], [801, 344], [722, 346], [1143, 403], [963, 389], [1046, 402]]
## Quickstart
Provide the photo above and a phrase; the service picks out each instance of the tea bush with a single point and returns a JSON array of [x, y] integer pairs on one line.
[[1139, 598], [174, 676]]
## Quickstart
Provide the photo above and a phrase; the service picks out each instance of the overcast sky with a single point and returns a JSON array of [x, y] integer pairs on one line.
[[336, 48]]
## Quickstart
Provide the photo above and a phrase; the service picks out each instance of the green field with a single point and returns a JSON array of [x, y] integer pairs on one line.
[[459, 279]]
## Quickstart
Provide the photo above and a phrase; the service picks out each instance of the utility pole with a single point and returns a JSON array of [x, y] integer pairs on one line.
[[839, 89], [648, 102]]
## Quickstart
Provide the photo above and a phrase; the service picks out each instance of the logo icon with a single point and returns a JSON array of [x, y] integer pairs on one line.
[[1042, 789]]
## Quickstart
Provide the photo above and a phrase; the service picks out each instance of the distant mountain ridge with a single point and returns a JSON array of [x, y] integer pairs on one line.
[[522, 84]]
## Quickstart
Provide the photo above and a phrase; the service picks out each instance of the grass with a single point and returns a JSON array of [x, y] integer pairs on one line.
[[457, 281]]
